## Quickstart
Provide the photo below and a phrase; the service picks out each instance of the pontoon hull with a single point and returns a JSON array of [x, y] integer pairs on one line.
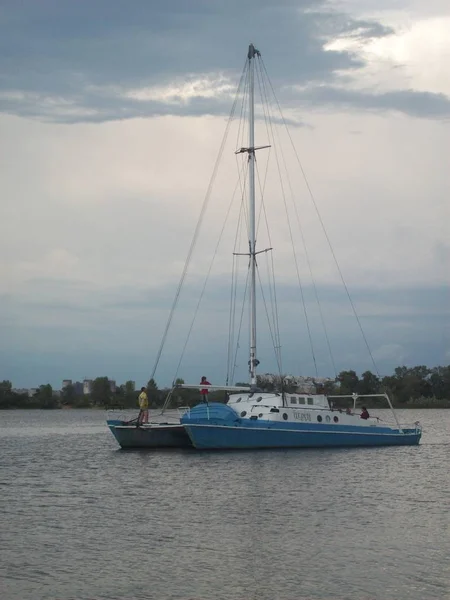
[[155, 435], [222, 437]]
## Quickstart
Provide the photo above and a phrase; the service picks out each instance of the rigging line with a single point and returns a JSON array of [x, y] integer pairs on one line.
[[275, 305], [233, 304], [323, 225], [305, 248], [231, 318], [243, 217], [240, 324], [240, 143], [233, 292], [271, 278], [268, 319], [206, 280], [293, 248], [263, 187], [264, 212], [197, 230], [243, 105]]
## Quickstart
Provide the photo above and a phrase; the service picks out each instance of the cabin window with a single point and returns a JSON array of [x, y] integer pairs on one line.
[[301, 401], [328, 418], [336, 419], [238, 400], [319, 418], [260, 415], [310, 401], [243, 413], [259, 399], [293, 400], [285, 417]]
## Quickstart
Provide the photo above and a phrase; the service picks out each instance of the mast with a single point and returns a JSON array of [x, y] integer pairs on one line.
[[253, 362]]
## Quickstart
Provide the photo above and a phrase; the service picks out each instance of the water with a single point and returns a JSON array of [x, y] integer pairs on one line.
[[81, 519]]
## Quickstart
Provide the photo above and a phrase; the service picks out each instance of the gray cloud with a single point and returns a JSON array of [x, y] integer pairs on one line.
[[410, 102], [54, 54], [116, 330]]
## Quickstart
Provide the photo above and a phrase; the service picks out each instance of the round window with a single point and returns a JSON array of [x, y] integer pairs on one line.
[[260, 415], [238, 400], [328, 418], [243, 413], [285, 417], [259, 399], [319, 418], [336, 419]]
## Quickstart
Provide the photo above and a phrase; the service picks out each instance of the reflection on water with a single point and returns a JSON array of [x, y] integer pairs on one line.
[[81, 519]]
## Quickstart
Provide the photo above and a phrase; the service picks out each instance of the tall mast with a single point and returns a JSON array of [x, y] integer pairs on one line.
[[252, 52], [253, 362]]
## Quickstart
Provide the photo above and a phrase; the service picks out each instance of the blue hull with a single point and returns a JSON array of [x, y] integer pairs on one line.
[[229, 437], [217, 426], [154, 436]]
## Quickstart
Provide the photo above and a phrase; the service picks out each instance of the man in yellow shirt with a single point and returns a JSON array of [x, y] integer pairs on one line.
[[143, 405]]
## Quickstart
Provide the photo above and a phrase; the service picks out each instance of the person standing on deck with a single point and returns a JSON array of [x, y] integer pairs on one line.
[[143, 406], [204, 391]]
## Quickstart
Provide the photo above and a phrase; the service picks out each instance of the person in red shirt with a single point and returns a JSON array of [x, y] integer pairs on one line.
[[204, 391], [364, 413]]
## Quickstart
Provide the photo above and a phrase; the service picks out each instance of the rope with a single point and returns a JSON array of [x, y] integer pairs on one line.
[[197, 228], [322, 224], [305, 312], [205, 283]]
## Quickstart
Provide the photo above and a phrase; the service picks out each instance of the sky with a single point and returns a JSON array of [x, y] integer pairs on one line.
[[111, 118]]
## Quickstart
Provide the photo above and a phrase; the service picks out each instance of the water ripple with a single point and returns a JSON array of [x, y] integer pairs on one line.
[[80, 519]]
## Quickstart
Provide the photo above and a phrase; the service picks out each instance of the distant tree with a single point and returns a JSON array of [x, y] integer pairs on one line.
[[6, 395], [101, 392], [44, 397], [68, 395], [348, 382], [439, 382], [154, 395], [130, 388], [368, 384]]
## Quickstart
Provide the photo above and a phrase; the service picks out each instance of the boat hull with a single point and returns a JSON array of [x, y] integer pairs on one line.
[[218, 426], [222, 437], [154, 435]]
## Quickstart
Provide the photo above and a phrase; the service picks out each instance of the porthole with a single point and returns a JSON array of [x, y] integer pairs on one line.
[[319, 418], [243, 413], [259, 399], [336, 419], [238, 400], [285, 417], [328, 418], [260, 415]]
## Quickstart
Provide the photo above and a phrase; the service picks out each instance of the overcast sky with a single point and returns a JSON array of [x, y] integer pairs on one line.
[[111, 116]]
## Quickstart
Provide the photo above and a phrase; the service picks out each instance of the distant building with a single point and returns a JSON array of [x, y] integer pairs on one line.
[[78, 387], [21, 391], [32, 392], [87, 386], [112, 385], [65, 383]]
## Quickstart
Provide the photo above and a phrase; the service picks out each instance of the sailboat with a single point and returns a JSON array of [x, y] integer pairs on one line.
[[256, 419], [251, 418]]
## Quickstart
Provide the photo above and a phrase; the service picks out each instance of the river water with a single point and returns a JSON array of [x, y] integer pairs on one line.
[[81, 519]]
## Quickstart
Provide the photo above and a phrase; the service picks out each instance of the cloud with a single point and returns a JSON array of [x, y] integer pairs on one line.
[[99, 202], [87, 329], [68, 62], [410, 102]]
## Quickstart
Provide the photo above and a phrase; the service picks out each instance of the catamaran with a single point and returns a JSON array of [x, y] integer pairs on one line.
[[251, 418]]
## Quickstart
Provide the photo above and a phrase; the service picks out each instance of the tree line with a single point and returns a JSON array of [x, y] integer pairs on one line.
[[415, 386]]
